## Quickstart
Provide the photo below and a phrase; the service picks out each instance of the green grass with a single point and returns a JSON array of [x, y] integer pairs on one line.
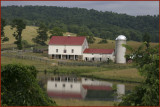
[[125, 75], [41, 66], [76, 102], [116, 72]]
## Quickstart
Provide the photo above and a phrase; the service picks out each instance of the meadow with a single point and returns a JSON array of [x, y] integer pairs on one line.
[[30, 32], [113, 72], [76, 102]]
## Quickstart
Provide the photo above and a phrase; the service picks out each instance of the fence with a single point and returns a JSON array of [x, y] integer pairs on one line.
[[27, 57], [98, 64], [80, 63]]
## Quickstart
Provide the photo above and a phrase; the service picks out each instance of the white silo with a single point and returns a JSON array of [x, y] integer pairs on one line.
[[120, 50]]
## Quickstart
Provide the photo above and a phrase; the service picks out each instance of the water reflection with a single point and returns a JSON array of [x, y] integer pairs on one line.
[[84, 88]]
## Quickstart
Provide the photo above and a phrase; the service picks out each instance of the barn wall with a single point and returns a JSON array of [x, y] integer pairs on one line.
[[52, 50], [76, 87], [85, 45], [98, 56]]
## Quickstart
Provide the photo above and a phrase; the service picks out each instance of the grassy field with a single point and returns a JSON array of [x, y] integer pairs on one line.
[[30, 32], [74, 102], [111, 44], [27, 34], [115, 72], [41, 66], [126, 75]]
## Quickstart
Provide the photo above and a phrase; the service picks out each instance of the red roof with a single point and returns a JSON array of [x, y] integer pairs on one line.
[[66, 40], [64, 95], [103, 51]]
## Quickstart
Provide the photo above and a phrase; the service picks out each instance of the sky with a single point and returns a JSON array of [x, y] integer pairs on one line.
[[133, 8]]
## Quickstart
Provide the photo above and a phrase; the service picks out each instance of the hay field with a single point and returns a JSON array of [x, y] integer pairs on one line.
[[30, 32]]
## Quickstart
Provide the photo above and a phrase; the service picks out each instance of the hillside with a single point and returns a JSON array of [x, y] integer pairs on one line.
[[30, 32], [82, 21]]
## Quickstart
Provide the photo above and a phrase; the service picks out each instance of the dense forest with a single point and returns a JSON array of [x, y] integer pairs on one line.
[[81, 21]]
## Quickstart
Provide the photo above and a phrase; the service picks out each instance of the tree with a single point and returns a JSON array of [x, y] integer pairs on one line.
[[42, 35], [90, 39], [3, 24], [146, 38], [56, 31], [20, 87], [19, 24], [147, 62], [104, 40]]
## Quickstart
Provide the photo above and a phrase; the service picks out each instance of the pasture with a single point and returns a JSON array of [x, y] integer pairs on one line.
[[30, 32]]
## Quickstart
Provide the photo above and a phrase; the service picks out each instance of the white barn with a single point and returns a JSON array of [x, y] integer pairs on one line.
[[67, 47], [76, 48]]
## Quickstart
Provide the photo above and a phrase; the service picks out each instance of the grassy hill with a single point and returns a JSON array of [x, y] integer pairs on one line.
[[30, 32], [27, 34]]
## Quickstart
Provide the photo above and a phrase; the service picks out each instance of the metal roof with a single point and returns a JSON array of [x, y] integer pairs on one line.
[[101, 51], [66, 40], [121, 37]]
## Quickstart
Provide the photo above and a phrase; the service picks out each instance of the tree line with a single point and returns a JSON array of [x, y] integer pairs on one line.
[[106, 25]]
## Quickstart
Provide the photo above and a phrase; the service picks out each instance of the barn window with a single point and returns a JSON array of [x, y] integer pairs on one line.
[[100, 59], [57, 50], [55, 85], [72, 50], [63, 85], [71, 86], [65, 51]]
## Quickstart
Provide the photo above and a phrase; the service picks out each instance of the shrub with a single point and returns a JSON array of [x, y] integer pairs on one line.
[[20, 87], [103, 41]]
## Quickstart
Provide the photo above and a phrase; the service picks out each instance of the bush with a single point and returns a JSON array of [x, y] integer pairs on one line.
[[147, 94], [25, 44], [103, 41], [5, 39], [20, 87]]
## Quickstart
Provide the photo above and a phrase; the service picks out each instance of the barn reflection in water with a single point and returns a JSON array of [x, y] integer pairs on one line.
[[84, 88]]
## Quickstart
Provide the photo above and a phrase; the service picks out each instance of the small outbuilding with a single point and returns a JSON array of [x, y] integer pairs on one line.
[[98, 54]]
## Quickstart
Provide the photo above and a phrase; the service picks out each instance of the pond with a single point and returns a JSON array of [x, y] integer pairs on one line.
[[86, 89]]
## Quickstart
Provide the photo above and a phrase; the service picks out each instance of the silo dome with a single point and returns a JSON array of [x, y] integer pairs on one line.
[[120, 50], [121, 37]]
